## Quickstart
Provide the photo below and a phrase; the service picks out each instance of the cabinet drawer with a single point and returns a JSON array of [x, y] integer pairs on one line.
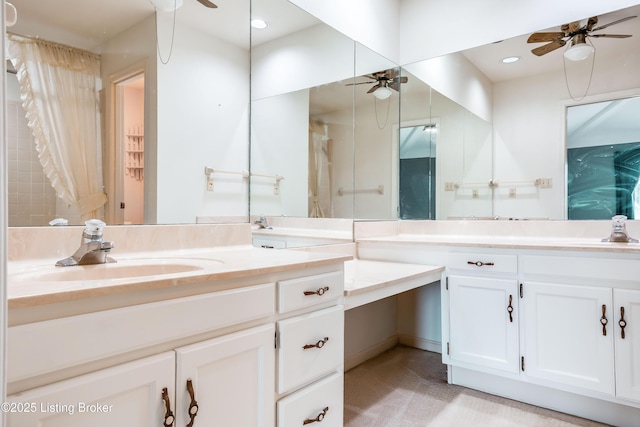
[[603, 269], [321, 401], [309, 346], [306, 291], [483, 262]]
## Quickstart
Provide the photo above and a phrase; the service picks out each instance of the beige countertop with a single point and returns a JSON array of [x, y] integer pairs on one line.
[[367, 281], [37, 281], [510, 242]]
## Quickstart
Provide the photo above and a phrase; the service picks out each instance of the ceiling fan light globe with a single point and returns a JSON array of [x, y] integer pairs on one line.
[[167, 5], [578, 52], [382, 92]]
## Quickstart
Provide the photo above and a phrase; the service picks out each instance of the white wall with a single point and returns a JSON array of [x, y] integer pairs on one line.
[[3, 224], [431, 28], [374, 23], [203, 101], [459, 80], [280, 145], [308, 58]]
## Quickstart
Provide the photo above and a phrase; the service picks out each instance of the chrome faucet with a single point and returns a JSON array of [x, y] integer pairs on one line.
[[619, 231], [262, 223], [92, 250]]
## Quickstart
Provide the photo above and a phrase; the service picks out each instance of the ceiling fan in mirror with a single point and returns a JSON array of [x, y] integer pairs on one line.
[[383, 82], [169, 5], [575, 33]]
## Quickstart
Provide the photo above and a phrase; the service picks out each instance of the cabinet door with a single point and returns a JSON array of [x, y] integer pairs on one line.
[[232, 378], [483, 322], [126, 395], [627, 347], [565, 341]]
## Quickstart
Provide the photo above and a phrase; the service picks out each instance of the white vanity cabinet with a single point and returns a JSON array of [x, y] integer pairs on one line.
[[574, 309], [231, 378], [483, 313], [310, 350], [626, 316], [227, 381], [216, 352], [125, 395], [564, 339]]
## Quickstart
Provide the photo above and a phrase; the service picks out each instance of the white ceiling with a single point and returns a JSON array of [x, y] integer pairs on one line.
[[88, 23], [487, 58]]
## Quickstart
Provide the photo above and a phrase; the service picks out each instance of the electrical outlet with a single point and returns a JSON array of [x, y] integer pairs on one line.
[[475, 194], [545, 182], [512, 193], [209, 184]]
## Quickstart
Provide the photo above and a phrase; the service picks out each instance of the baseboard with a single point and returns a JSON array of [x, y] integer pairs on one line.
[[603, 411], [421, 343], [361, 357]]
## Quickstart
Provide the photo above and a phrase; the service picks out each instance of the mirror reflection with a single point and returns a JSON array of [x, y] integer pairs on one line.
[[603, 159], [164, 114], [529, 99]]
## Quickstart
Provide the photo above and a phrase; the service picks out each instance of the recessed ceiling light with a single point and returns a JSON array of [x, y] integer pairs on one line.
[[259, 24], [510, 59]]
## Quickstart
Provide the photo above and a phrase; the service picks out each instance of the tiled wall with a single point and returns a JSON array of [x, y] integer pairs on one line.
[[32, 200]]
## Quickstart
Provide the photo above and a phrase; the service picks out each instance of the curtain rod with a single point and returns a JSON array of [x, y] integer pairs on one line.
[[52, 43]]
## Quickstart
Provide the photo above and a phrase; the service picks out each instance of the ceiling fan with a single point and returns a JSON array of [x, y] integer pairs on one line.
[[575, 32], [169, 5], [382, 82]]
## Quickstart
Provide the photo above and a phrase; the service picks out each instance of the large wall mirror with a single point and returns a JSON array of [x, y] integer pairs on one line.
[[535, 115], [169, 108]]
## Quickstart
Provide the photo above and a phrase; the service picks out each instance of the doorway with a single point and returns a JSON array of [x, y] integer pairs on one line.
[[417, 172], [129, 138]]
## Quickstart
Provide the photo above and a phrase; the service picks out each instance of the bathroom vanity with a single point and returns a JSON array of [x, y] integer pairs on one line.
[[540, 319], [222, 334]]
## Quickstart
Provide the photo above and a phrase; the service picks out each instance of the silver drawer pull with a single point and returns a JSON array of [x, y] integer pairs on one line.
[[479, 263], [319, 344], [317, 419], [319, 292]]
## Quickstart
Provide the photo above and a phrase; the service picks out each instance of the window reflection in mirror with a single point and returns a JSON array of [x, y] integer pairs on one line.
[[463, 149], [603, 159], [417, 176]]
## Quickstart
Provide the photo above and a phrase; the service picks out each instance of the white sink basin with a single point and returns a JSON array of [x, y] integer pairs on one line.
[[119, 270]]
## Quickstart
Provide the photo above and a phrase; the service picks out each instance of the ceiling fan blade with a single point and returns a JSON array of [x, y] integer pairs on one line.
[[542, 50], [602, 27], [404, 79], [360, 83], [573, 26], [395, 86], [544, 37], [591, 22], [207, 3], [373, 88], [613, 36]]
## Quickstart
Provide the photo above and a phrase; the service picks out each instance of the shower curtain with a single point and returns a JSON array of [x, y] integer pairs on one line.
[[319, 171], [58, 89]]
